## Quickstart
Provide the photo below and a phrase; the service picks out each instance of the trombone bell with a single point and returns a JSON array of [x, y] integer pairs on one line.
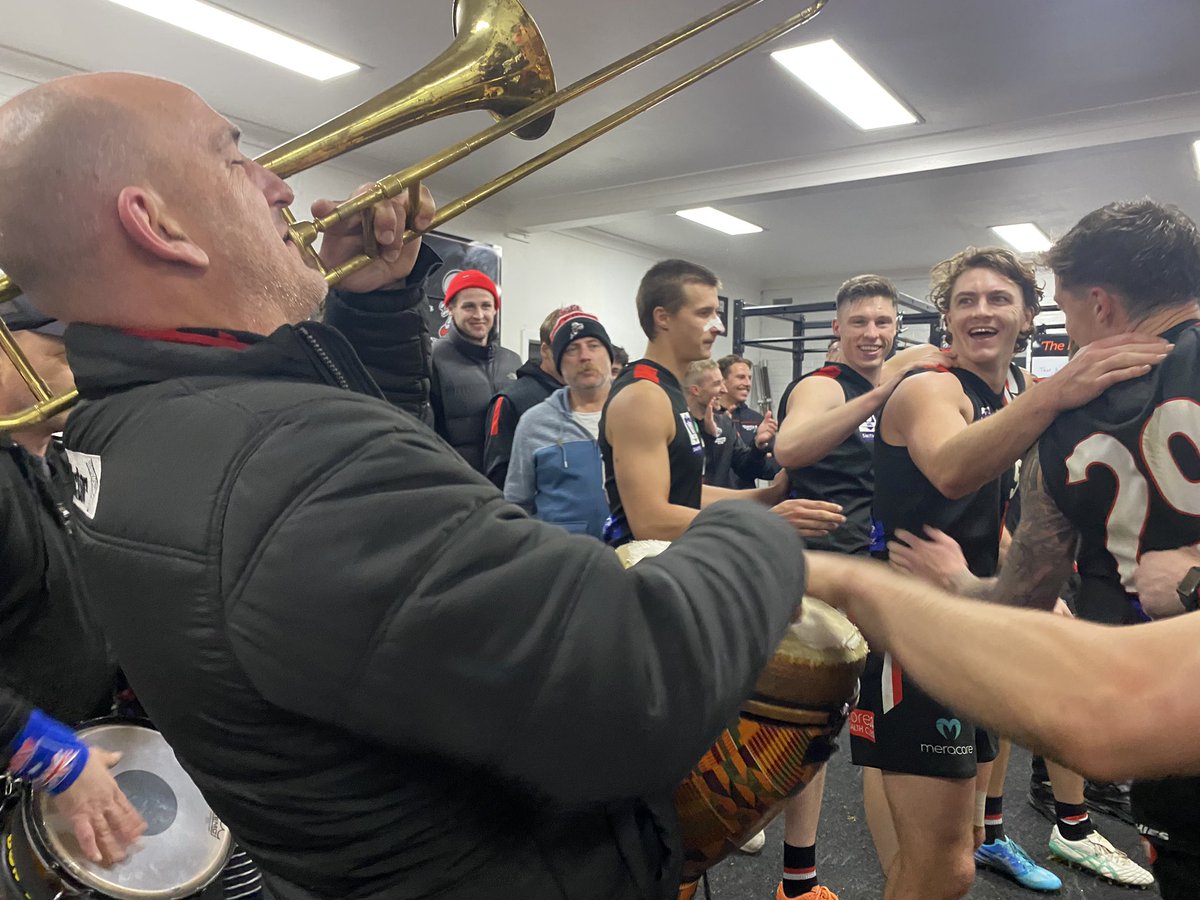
[[498, 62]]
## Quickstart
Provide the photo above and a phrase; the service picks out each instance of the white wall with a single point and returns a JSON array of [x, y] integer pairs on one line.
[[545, 270]]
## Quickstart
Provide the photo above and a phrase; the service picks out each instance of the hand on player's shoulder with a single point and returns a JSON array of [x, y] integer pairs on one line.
[[918, 356], [1103, 363]]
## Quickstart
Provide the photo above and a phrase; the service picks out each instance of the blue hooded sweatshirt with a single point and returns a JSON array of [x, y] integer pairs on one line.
[[556, 473]]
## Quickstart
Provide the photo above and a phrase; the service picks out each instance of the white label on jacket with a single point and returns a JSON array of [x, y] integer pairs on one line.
[[86, 469]]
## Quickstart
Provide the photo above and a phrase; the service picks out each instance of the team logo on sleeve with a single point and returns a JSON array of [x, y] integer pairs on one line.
[[866, 431]]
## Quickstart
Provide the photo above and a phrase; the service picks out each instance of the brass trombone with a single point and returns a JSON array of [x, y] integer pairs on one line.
[[498, 63]]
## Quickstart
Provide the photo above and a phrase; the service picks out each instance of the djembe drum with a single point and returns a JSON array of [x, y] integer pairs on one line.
[[784, 734]]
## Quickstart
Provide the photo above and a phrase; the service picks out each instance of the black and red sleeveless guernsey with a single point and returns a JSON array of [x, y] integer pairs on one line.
[[1124, 470], [905, 498], [898, 727], [685, 453], [847, 473]]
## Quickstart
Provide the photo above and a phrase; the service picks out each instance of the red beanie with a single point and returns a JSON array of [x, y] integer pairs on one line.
[[471, 278]]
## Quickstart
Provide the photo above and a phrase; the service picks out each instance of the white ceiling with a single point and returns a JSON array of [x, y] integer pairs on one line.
[[1031, 111]]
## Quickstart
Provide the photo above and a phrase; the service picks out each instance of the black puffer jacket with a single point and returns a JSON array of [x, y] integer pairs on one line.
[[466, 377], [390, 336], [51, 653], [389, 682], [533, 386]]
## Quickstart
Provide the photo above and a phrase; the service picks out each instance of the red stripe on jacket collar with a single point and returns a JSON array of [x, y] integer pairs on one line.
[[217, 338]]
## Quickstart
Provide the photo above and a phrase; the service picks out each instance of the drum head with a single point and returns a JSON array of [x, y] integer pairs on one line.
[[185, 845], [823, 635]]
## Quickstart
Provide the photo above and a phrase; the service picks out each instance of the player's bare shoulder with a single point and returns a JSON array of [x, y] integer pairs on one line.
[[818, 392], [641, 407], [928, 386], [929, 399]]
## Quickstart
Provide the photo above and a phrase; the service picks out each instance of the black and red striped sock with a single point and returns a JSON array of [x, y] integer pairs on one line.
[[1073, 821], [799, 869], [993, 819]]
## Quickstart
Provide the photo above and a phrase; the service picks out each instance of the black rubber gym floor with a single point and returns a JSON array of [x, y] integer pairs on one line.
[[846, 858]]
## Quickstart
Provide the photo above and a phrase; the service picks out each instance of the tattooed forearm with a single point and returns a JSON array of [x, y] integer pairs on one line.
[[1042, 553]]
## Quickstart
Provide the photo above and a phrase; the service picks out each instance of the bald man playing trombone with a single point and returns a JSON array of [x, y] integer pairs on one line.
[[386, 680]]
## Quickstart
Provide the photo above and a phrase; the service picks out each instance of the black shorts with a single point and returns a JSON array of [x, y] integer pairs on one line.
[[1176, 869], [899, 728], [1168, 816]]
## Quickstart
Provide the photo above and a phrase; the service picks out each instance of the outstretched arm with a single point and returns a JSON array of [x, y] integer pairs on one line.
[[1019, 671], [819, 418]]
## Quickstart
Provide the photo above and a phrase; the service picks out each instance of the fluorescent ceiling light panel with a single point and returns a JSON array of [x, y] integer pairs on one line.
[[242, 34], [714, 218], [1196, 154], [1025, 237], [844, 84]]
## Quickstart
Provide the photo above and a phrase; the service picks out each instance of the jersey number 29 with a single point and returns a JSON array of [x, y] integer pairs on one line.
[[1131, 503]]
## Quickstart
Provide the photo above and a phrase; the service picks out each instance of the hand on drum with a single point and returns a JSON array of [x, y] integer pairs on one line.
[[395, 260], [104, 822], [812, 518]]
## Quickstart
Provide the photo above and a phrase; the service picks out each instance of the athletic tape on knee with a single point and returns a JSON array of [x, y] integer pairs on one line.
[[47, 754]]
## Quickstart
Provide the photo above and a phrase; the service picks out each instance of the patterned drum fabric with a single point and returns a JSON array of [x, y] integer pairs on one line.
[[784, 734]]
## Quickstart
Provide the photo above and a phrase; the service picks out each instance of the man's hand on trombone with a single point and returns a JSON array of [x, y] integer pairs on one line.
[[393, 261]]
